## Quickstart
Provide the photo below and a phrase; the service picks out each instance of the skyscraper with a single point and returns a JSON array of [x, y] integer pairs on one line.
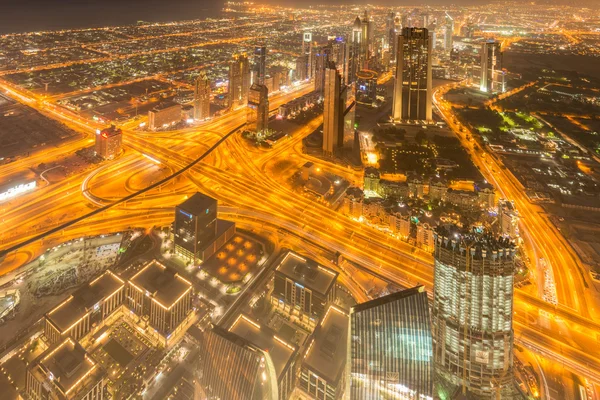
[[472, 312], [202, 97], [302, 67], [448, 32], [258, 107], [413, 85], [339, 56], [492, 79], [390, 348], [239, 80], [195, 224], [390, 27], [366, 48], [307, 51], [333, 111], [260, 65], [354, 51], [322, 58]]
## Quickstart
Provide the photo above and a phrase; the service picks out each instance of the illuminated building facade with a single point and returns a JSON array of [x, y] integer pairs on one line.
[[259, 69], [492, 76], [448, 33], [366, 87], [164, 115], [302, 287], [333, 111], [202, 97], [258, 107], [322, 57], [413, 85], [65, 372], [108, 143], [239, 80], [86, 309], [390, 347], [161, 295], [472, 312], [354, 51], [508, 217], [323, 370]]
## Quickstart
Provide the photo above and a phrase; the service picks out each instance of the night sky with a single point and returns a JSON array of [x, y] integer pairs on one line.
[[33, 15]]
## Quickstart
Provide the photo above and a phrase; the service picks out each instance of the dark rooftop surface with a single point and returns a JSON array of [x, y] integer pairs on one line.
[[162, 282], [84, 299], [307, 273], [197, 204], [327, 354]]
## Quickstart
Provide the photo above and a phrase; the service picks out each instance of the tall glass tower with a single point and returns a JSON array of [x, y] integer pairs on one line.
[[390, 348]]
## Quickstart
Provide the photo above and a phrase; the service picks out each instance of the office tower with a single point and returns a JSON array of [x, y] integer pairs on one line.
[[258, 107], [307, 50], [322, 58], [202, 97], [492, 78], [302, 287], [472, 312], [259, 69], [425, 17], [390, 348], [366, 87], [230, 368], [195, 225], [354, 51], [390, 27], [413, 86], [159, 295], [108, 143], [366, 48], [333, 111], [239, 80], [448, 32], [339, 56], [302, 67]]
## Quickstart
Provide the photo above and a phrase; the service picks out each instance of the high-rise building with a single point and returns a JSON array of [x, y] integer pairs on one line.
[[108, 143], [390, 348], [258, 107], [413, 84], [354, 51], [195, 225], [302, 67], [472, 312], [307, 50], [321, 58], [239, 80], [390, 27], [339, 56], [259, 69], [366, 46], [492, 77], [366, 87], [333, 111], [202, 97], [448, 33]]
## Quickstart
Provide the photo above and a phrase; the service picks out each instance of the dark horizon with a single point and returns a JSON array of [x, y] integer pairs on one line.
[[43, 15]]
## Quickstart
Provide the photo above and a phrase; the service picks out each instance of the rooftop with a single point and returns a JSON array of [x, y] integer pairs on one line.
[[83, 300], [161, 282], [326, 355], [307, 272], [197, 204], [387, 299], [264, 338], [68, 366]]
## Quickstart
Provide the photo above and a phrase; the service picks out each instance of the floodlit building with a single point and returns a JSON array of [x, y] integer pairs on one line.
[[86, 309], [202, 97], [160, 296], [197, 232], [413, 84], [239, 80], [322, 373], [279, 356], [508, 217], [355, 57], [390, 348], [108, 143], [492, 76], [258, 107], [164, 115], [322, 58], [303, 288], [472, 312], [65, 372]]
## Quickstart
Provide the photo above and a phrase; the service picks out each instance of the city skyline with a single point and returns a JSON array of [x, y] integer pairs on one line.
[[297, 201]]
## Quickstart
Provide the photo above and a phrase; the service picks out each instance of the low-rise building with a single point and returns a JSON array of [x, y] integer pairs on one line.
[[425, 237], [108, 143], [508, 217], [65, 372], [400, 224], [353, 202], [86, 309], [163, 115]]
